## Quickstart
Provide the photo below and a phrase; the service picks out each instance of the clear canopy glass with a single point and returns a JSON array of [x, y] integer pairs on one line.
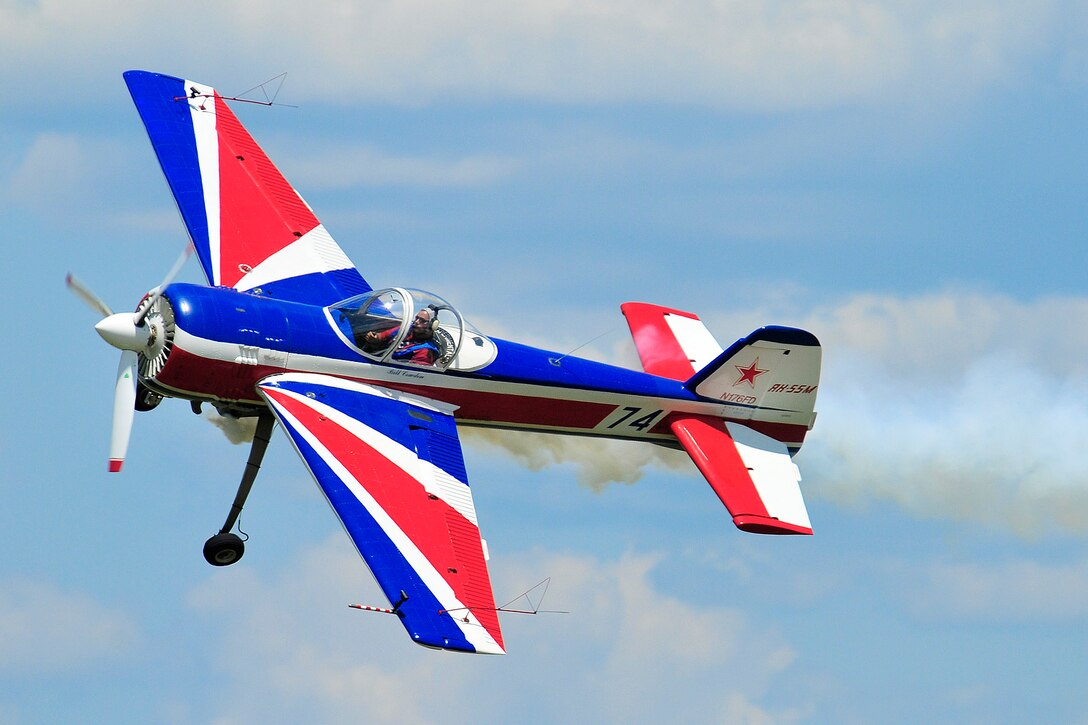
[[403, 326]]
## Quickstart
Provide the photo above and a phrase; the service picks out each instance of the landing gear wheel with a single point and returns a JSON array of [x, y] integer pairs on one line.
[[223, 549]]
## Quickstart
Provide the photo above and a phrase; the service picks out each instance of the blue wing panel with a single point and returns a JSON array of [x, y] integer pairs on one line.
[[391, 569], [169, 126], [348, 283], [391, 468]]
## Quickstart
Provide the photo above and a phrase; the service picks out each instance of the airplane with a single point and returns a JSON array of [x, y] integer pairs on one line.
[[371, 385]]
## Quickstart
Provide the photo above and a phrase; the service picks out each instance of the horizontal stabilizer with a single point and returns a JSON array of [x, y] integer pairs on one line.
[[751, 473], [670, 343]]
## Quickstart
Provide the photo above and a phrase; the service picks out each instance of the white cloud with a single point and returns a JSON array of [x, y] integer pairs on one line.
[[740, 711], [1019, 590], [319, 169], [627, 651], [82, 181], [928, 338], [938, 336], [45, 629], [763, 55], [998, 444], [749, 55], [54, 167]]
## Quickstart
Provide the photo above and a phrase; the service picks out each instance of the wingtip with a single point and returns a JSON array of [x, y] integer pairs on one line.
[[115, 464]]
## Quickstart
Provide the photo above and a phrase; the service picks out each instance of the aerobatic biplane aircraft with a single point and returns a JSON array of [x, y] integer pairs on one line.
[[371, 385]]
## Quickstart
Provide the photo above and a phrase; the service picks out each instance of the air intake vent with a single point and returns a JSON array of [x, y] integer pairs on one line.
[[160, 321]]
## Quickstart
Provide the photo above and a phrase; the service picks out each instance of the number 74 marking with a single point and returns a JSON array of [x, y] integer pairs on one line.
[[640, 423]]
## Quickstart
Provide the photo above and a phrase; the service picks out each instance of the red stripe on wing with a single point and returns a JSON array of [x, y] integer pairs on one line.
[[260, 212], [446, 539]]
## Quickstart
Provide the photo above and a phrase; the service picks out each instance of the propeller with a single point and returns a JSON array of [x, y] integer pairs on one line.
[[157, 292], [84, 293], [124, 408], [130, 333]]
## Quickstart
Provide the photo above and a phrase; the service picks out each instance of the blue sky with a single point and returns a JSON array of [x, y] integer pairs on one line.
[[906, 182]]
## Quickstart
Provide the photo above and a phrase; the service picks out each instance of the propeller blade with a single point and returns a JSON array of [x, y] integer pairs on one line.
[[84, 293], [157, 292], [124, 404]]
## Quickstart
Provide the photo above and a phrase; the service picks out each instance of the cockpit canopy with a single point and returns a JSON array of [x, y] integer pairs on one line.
[[409, 327]]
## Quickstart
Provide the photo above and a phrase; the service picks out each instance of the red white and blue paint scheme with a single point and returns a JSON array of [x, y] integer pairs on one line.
[[287, 330]]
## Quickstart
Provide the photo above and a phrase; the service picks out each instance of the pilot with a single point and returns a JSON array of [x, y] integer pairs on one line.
[[418, 345]]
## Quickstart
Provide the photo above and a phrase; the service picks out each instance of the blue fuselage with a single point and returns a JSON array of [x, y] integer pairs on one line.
[[225, 341]]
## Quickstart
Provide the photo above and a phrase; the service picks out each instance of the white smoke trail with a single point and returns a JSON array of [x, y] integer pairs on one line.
[[597, 462], [961, 406], [999, 444], [237, 430]]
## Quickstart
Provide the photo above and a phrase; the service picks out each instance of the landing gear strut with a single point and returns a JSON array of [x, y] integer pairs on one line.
[[225, 548]]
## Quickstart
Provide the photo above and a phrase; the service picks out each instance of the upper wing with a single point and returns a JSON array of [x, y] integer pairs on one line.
[[391, 467], [250, 228], [752, 474]]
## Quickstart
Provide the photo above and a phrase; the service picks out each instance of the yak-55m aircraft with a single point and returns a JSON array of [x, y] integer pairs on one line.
[[371, 385]]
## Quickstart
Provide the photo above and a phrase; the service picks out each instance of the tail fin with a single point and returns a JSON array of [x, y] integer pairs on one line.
[[775, 370], [768, 380], [770, 377]]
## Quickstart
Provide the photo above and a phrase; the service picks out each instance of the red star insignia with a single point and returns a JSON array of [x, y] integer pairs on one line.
[[749, 374]]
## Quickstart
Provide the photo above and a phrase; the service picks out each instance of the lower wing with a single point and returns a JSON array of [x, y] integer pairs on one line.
[[391, 467]]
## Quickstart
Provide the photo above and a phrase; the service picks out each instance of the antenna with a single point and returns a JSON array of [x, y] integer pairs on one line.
[[269, 99], [534, 608], [557, 360]]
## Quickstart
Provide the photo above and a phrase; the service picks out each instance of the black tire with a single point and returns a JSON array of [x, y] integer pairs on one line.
[[223, 549]]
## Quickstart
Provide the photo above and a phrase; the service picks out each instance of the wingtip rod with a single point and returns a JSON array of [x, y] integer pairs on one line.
[[395, 609]]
